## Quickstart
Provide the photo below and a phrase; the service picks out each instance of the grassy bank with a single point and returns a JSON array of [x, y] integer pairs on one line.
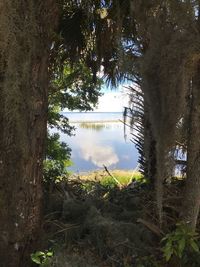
[[113, 178]]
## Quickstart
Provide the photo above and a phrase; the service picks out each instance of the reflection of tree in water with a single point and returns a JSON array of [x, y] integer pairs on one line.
[[94, 126]]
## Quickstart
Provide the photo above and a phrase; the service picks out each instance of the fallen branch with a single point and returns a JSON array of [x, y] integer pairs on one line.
[[110, 174], [155, 229]]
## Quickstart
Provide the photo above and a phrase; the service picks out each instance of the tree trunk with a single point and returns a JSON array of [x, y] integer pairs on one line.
[[191, 199], [149, 150], [24, 56]]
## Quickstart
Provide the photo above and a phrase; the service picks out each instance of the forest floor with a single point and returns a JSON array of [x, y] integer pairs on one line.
[[103, 220], [96, 220]]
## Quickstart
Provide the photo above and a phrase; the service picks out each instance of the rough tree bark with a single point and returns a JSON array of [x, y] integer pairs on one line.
[[24, 56], [191, 198]]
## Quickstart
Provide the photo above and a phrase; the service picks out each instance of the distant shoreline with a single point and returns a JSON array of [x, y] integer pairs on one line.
[[94, 121], [91, 112], [119, 176]]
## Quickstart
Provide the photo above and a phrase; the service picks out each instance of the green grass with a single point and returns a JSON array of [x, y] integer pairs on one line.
[[121, 177]]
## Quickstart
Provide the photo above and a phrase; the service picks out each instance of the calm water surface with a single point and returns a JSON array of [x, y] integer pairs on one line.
[[99, 140]]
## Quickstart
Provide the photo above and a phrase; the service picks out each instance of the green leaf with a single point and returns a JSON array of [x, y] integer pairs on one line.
[[50, 254], [164, 238], [194, 245], [181, 247], [35, 259], [39, 253], [168, 253]]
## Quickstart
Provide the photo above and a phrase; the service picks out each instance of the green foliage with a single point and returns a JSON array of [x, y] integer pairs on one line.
[[74, 88], [122, 178], [55, 149], [180, 242], [42, 258], [87, 34], [57, 159], [58, 121], [109, 182], [55, 171]]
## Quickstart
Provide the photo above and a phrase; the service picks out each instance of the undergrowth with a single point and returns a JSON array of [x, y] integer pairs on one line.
[[100, 224], [100, 220]]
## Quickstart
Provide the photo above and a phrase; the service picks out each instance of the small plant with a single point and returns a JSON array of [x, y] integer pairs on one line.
[[108, 182], [179, 242], [42, 258]]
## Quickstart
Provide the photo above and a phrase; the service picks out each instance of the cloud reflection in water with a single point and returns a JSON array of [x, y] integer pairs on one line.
[[98, 154], [97, 143]]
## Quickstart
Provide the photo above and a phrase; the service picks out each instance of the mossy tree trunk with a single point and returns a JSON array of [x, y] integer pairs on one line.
[[24, 56], [191, 199]]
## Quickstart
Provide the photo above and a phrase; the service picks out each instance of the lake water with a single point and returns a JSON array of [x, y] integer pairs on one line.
[[99, 140]]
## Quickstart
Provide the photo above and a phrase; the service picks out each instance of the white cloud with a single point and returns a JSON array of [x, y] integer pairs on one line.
[[114, 101]]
